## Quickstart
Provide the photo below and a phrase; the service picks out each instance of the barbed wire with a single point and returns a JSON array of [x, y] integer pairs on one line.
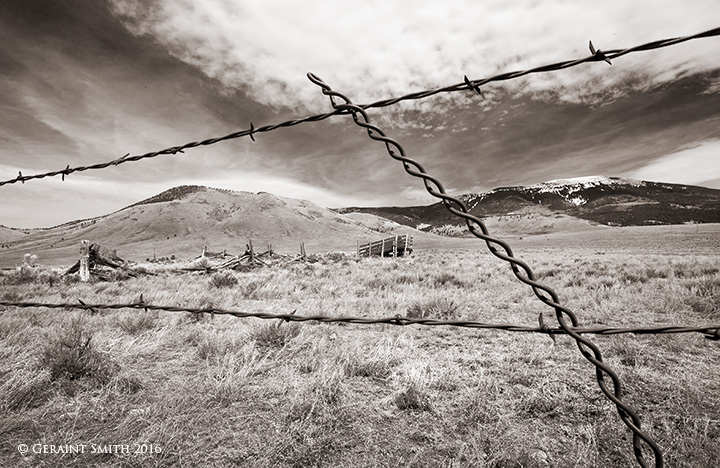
[[478, 229], [467, 84], [711, 332]]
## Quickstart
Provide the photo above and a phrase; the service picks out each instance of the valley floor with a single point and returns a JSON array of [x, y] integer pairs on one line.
[[217, 391], [670, 239]]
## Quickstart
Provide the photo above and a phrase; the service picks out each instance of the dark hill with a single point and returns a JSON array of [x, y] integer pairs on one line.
[[610, 201]]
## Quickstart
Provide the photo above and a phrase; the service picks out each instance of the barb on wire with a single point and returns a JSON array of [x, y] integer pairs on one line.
[[85, 306], [120, 160], [546, 294], [544, 327], [599, 54], [467, 84], [472, 86], [708, 330]]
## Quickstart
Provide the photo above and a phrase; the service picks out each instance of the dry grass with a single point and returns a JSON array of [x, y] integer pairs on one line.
[[221, 391]]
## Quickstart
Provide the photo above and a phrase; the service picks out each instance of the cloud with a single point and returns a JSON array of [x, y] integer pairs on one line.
[[52, 201], [285, 187], [418, 195], [697, 165], [82, 87], [375, 49]]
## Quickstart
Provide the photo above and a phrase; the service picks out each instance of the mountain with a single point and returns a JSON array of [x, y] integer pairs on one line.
[[182, 220], [577, 202]]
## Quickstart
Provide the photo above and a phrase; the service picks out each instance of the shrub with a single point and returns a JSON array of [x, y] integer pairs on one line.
[[274, 335], [448, 279], [72, 356], [137, 322], [362, 364], [251, 290], [118, 274], [202, 264], [414, 395], [11, 295], [438, 308], [71, 279], [223, 279], [406, 279], [630, 277], [376, 283], [22, 275], [706, 300], [30, 260], [333, 257], [576, 281], [413, 398]]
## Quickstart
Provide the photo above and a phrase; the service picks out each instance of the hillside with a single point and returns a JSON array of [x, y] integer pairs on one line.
[[9, 234], [182, 220], [589, 200]]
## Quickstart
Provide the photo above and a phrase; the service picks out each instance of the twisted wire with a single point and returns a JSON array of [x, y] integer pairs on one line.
[[467, 84], [478, 228], [710, 331]]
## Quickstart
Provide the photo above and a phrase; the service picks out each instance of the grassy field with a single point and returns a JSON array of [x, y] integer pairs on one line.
[[216, 391]]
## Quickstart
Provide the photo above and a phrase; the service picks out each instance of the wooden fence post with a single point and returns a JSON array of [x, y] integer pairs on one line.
[[395, 246], [85, 261], [252, 254], [302, 251]]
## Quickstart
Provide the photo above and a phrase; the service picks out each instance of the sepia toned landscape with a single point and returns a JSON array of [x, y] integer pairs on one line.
[[359, 234], [213, 390]]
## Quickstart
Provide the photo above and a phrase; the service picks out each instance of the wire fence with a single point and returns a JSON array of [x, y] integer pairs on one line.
[[711, 332], [497, 247]]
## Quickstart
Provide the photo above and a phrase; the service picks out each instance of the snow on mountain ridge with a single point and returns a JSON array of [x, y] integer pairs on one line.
[[584, 182], [564, 188], [581, 183]]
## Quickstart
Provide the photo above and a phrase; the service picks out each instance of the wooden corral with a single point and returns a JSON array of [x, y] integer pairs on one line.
[[388, 247], [250, 258], [227, 261]]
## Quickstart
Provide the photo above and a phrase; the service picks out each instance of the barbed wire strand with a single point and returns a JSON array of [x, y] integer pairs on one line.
[[710, 331], [597, 55], [478, 228]]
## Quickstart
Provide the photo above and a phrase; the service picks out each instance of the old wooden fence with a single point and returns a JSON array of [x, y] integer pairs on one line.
[[388, 247]]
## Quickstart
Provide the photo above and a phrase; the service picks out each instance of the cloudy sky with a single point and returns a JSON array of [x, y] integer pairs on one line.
[[88, 81]]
